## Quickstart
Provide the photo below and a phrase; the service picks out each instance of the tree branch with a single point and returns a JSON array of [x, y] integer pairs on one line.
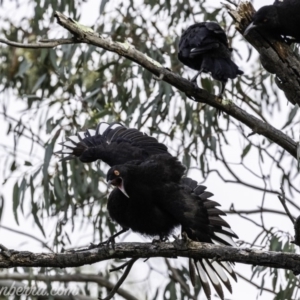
[[276, 57], [255, 211], [44, 43], [290, 261], [121, 280], [86, 35], [177, 278], [283, 202]]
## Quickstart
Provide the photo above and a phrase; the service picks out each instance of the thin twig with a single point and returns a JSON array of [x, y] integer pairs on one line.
[[255, 211], [231, 2], [120, 267], [254, 284], [176, 277], [282, 200], [121, 280], [27, 234]]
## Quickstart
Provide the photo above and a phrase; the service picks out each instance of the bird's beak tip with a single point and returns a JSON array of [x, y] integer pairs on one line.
[[249, 28]]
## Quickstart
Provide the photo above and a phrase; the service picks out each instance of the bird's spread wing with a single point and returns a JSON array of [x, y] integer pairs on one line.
[[112, 143]]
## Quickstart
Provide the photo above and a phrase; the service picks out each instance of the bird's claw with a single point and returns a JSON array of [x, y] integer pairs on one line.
[[106, 243], [159, 240]]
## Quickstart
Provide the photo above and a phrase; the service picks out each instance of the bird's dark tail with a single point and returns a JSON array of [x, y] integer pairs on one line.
[[221, 68], [212, 271], [89, 145]]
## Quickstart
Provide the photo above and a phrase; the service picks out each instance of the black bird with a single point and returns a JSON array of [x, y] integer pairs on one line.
[[204, 47], [152, 197], [279, 20]]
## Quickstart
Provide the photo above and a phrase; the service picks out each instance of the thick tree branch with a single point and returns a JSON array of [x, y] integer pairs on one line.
[[276, 57], [86, 35], [290, 261]]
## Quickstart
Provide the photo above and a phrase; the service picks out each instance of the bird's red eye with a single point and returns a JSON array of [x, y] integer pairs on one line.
[[116, 172]]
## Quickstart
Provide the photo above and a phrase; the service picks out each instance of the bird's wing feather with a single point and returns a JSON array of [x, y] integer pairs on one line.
[[113, 143]]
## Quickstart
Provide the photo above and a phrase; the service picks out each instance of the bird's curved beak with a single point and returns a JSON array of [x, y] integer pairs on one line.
[[249, 28], [122, 189], [119, 185]]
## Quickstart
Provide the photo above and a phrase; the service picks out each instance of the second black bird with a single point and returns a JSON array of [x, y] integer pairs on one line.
[[280, 20], [204, 47]]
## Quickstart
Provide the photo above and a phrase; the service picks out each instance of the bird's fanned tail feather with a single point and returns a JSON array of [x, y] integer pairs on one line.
[[203, 278], [211, 271]]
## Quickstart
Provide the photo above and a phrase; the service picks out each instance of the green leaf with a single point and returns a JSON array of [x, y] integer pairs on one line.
[[16, 201], [291, 116], [246, 150], [23, 68], [38, 83], [35, 210], [102, 5]]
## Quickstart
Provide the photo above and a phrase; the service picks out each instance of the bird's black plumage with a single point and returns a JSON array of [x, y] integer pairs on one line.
[[279, 20], [204, 47], [112, 143], [152, 197]]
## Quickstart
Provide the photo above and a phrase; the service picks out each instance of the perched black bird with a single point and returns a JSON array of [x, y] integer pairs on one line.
[[204, 47], [279, 20], [152, 197]]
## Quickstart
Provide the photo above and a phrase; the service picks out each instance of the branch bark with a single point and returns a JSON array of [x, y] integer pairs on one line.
[[290, 261], [276, 57]]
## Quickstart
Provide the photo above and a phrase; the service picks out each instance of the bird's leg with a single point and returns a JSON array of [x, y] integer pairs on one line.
[[194, 79], [110, 240], [220, 95]]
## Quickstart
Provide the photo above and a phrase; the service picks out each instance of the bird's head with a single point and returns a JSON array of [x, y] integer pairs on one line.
[[115, 177], [266, 17]]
